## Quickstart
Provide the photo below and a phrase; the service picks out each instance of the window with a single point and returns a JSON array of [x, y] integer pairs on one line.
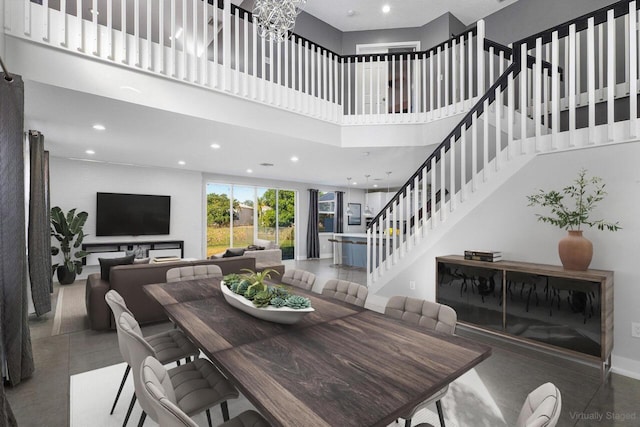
[[326, 211]]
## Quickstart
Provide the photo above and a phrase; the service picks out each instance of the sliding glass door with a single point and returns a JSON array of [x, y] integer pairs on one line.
[[238, 214]]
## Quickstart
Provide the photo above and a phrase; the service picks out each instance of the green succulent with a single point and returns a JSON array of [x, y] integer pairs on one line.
[[277, 302], [233, 286], [280, 291], [231, 279], [262, 299], [297, 302], [242, 287], [250, 293]]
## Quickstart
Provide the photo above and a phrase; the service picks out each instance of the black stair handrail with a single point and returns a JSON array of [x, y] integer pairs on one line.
[[620, 8], [446, 143]]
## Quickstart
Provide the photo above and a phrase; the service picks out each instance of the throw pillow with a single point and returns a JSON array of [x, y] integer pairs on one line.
[[255, 248], [107, 263], [231, 252], [141, 260]]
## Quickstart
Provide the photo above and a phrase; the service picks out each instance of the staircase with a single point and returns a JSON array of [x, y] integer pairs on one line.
[[544, 101]]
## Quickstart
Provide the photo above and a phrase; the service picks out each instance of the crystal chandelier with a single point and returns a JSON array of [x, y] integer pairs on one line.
[[276, 18]]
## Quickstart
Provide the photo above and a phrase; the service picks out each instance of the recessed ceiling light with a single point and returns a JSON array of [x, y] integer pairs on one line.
[[90, 152], [354, 183], [99, 127], [351, 12], [375, 185], [249, 171], [294, 159], [215, 146], [386, 8], [182, 163]]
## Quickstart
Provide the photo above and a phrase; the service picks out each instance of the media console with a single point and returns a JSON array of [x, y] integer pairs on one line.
[[542, 305], [118, 249]]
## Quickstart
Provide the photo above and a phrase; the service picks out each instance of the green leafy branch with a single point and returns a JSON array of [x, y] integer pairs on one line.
[[585, 193]]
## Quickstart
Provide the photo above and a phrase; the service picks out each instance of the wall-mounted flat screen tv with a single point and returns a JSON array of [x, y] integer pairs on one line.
[[120, 214]]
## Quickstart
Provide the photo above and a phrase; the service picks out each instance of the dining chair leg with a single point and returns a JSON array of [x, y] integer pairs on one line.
[[209, 417], [126, 418], [440, 413], [225, 411], [407, 423], [126, 374], [143, 417]]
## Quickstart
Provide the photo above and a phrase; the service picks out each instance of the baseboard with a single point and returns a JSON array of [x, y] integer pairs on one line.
[[624, 366]]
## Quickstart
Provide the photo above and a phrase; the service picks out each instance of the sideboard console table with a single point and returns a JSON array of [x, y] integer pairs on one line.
[[542, 305]]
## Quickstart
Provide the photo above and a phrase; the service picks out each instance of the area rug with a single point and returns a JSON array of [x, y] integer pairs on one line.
[[92, 395], [71, 312]]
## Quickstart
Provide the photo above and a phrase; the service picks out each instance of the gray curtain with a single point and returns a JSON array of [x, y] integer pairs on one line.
[[16, 341], [39, 231], [339, 212], [313, 238]]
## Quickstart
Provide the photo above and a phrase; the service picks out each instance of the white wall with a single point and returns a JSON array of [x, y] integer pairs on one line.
[[74, 184], [505, 222]]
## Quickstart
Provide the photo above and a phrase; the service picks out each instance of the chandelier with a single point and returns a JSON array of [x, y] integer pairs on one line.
[[276, 18]]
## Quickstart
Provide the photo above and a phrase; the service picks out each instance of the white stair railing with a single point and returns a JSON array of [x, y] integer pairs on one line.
[[214, 44], [545, 100]]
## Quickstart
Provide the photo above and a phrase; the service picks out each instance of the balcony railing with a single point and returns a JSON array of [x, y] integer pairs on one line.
[[214, 45]]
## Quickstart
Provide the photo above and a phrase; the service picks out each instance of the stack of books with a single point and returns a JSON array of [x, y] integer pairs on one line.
[[488, 256]]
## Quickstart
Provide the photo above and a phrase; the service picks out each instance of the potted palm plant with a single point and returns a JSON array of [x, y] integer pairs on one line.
[[571, 209], [67, 230]]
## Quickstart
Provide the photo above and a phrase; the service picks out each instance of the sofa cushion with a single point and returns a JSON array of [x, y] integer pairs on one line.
[[231, 252], [107, 263], [142, 260]]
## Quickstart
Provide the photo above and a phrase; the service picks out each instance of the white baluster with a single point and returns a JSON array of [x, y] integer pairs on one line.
[[443, 189], [46, 20], [136, 32], [64, 36], [571, 76], [80, 32], [162, 69], [452, 173], [480, 56], [236, 52], [498, 142], [454, 76], [185, 32], [434, 186], [447, 102], [633, 69], [611, 74], [537, 93], [226, 45], [555, 91], [432, 82], [149, 37], [471, 66], [463, 163], [393, 84], [591, 80], [439, 82], [462, 71], [523, 97], [173, 59], [94, 21]]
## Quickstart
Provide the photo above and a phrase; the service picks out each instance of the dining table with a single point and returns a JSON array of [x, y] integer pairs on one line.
[[341, 365]]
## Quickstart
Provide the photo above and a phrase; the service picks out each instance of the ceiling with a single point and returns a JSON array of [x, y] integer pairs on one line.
[[142, 136], [368, 15]]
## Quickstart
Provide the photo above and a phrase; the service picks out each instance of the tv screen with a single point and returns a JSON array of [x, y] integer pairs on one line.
[[132, 214]]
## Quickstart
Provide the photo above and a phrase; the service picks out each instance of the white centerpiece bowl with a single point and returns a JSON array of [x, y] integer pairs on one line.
[[284, 315]]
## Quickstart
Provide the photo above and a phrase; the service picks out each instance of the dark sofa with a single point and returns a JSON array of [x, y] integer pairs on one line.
[[128, 281]]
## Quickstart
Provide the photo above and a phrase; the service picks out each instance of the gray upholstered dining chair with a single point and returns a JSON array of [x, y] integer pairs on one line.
[[169, 346], [161, 395], [351, 292], [299, 278], [430, 315], [198, 384], [541, 408], [193, 272]]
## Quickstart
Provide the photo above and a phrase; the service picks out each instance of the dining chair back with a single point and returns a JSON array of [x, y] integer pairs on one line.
[[159, 390], [201, 385], [343, 290], [541, 408], [160, 394], [193, 272], [429, 315], [299, 278]]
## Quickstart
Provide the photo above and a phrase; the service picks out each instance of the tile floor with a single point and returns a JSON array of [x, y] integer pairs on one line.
[[506, 377]]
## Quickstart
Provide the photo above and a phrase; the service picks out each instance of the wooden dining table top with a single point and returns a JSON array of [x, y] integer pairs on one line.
[[341, 365]]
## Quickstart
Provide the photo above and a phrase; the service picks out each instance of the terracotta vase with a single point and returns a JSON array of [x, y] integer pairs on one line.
[[575, 251]]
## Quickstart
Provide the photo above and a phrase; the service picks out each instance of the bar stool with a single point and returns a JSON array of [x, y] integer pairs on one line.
[[363, 242], [335, 251]]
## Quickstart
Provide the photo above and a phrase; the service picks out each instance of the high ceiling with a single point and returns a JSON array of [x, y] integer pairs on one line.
[[143, 136], [358, 15]]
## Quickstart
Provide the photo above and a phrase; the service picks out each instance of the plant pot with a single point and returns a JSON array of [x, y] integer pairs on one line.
[[575, 251], [65, 277]]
